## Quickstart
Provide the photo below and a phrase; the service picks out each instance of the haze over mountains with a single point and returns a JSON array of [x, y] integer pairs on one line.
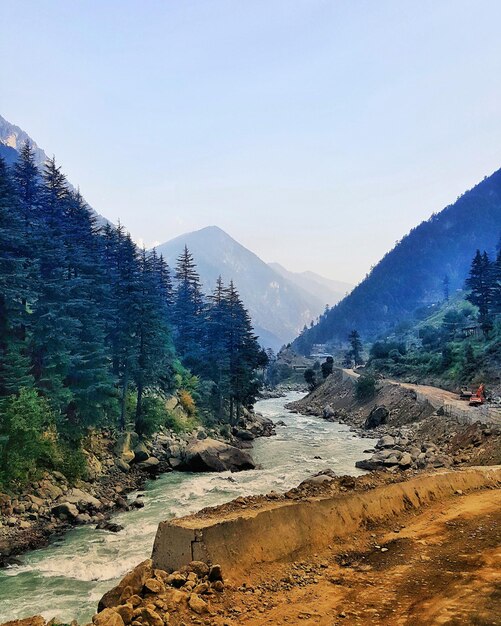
[[412, 274], [280, 302], [279, 306]]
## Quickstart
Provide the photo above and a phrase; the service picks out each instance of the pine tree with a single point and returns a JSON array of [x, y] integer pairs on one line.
[[90, 379], [155, 351], [188, 311], [54, 327], [480, 282], [356, 347], [14, 292]]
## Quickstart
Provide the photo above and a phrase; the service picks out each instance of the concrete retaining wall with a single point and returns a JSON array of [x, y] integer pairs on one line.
[[291, 529]]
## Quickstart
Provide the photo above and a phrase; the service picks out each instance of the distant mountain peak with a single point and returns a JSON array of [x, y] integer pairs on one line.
[[15, 137]]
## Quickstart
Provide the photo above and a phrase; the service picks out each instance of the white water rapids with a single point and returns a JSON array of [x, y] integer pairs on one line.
[[67, 579]]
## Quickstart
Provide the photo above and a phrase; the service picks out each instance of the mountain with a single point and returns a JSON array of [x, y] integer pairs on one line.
[[279, 308], [412, 274], [13, 137], [328, 291]]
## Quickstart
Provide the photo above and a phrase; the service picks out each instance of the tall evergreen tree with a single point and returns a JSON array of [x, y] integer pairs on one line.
[[481, 285], [14, 292], [188, 310], [356, 347]]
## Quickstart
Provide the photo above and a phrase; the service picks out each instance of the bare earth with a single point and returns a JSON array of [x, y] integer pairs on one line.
[[439, 566]]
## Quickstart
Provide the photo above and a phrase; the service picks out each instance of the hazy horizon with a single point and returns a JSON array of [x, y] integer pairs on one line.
[[315, 133]]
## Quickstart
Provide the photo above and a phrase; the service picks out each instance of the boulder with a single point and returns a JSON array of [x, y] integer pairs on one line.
[[150, 465], [386, 442], [405, 460], [368, 464], [171, 403], [36, 620], [198, 605], [210, 455], [376, 417], [244, 435], [107, 617], [111, 527], [141, 452], [328, 412], [124, 445], [65, 511], [135, 580], [82, 500]]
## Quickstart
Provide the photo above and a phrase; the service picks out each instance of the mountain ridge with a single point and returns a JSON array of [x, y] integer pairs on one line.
[[412, 273], [279, 308]]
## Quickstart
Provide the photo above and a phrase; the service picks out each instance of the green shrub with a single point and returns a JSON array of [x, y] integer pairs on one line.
[[365, 387], [25, 442]]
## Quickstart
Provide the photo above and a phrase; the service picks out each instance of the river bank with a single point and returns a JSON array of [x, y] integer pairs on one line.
[[117, 466], [413, 431], [67, 578]]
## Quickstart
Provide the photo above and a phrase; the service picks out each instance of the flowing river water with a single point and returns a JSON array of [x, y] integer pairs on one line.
[[67, 578]]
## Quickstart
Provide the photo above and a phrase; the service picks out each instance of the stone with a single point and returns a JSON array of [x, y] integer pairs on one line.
[[149, 465], [386, 442], [65, 511], [215, 573], [111, 527], [83, 518], [107, 617], [122, 465], [124, 445], [200, 568], [134, 579], [244, 435], [152, 585], [176, 579], [125, 611], [198, 605], [201, 588], [210, 455], [218, 585], [36, 620], [141, 452], [376, 417], [328, 412], [405, 460], [83, 500], [151, 617]]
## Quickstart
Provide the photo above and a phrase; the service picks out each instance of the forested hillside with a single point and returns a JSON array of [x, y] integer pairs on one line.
[[413, 273], [95, 332]]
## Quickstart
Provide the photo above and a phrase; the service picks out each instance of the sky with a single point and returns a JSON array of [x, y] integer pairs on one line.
[[317, 133]]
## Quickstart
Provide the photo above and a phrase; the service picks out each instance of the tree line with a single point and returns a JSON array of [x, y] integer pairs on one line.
[[96, 332]]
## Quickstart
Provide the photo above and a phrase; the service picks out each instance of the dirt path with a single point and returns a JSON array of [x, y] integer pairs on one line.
[[441, 398], [440, 566]]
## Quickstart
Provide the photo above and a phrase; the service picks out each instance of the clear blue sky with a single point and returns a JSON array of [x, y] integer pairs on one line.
[[315, 132]]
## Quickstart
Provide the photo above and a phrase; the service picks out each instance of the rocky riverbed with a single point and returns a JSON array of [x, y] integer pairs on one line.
[[115, 467], [411, 433]]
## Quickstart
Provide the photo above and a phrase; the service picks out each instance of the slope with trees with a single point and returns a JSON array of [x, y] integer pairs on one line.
[[94, 333], [412, 274]]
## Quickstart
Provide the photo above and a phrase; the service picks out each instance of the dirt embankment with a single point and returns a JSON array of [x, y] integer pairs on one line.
[[412, 422], [427, 556]]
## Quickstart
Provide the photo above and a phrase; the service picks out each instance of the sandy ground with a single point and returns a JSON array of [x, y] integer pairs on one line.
[[439, 566]]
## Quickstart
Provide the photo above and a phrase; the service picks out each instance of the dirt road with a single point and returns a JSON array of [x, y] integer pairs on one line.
[[440, 566], [450, 401]]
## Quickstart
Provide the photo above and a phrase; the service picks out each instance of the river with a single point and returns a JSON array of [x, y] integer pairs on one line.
[[67, 578]]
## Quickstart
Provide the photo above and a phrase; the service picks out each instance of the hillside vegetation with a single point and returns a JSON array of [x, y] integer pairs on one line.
[[412, 274]]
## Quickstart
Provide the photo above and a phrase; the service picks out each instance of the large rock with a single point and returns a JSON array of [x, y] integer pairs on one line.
[[210, 455], [133, 580], [124, 445], [107, 617], [65, 511], [141, 452], [377, 416], [82, 500]]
